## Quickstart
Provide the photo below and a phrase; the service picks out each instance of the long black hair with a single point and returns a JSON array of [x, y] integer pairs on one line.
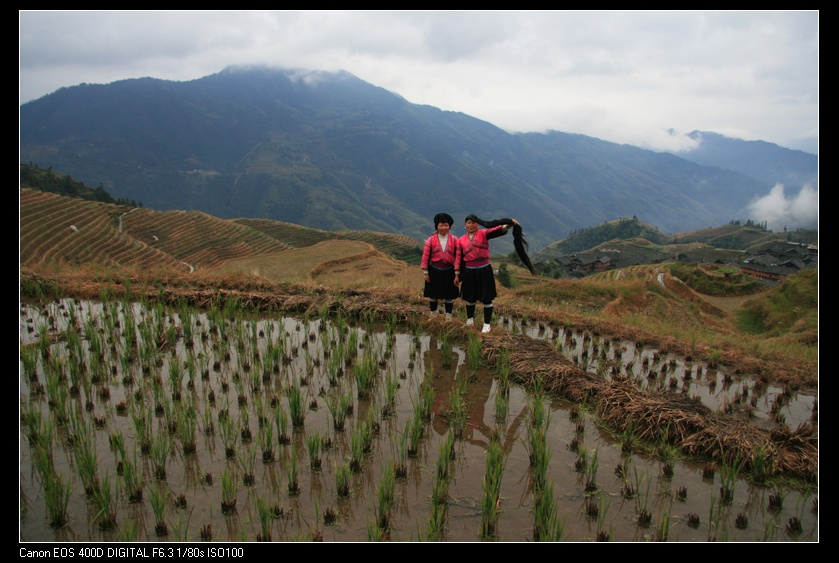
[[518, 236]]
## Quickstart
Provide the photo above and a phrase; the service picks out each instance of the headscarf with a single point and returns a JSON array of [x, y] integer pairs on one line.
[[518, 237]]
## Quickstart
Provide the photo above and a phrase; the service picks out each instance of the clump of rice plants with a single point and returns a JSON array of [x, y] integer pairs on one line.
[[292, 471], [491, 499], [229, 490], [415, 430], [547, 525], [662, 529], [729, 470], [281, 420], [265, 437], [642, 488], [160, 449], [440, 489], [159, 500], [473, 352], [342, 480], [338, 405], [266, 520], [314, 445], [247, 461], [385, 497], [296, 404], [106, 500]]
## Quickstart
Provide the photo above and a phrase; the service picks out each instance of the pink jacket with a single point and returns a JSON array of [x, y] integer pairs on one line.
[[433, 254], [475, 253]]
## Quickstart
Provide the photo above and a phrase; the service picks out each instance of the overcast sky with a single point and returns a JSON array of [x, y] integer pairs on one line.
[[643, 78]]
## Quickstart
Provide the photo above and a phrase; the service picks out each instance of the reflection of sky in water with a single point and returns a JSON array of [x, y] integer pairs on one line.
[[654, 371]]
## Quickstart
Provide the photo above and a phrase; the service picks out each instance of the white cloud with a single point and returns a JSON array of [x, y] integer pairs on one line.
[[800, 211]]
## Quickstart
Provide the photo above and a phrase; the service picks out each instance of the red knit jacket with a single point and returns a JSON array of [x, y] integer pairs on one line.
[[433, 254], [474, 253]]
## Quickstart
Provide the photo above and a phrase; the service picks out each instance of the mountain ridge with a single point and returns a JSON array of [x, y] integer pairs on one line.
[[330, 151]]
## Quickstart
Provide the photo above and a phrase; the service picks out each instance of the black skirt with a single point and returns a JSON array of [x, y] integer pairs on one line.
[[478, 284], [441, 284]]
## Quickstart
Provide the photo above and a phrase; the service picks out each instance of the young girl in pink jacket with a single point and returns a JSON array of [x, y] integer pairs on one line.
[[438, 265]]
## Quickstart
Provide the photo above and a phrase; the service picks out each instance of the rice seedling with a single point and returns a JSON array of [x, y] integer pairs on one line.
[[207, 422], [437, 514], [247, 461], [29, 359], [187, 424], [338, 405], [176, 375], [292, 472], [356, 449], [458, 413], [662, 529], [547, 525], [229, 490], [159, 500], [281, 420], [57, 493], [33, 423], [180, 527], [761, 464], [245, 426], [415, 429], [714, 518], [491, 498], [365, 372], [473, 352], [143, 426], [728, 478], [375, 532], [129, 531], [369, 426], [385, 496], [314, 446], [391, 388], [668, 453], [265, 437], [642, 493], [540, 456], [229, 431], [603, 504], [106, 502], [296, 404], [132, 479], [399, 445], [266, 519], [85, 456], [628, 439], [342, 480], [161, 446]]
